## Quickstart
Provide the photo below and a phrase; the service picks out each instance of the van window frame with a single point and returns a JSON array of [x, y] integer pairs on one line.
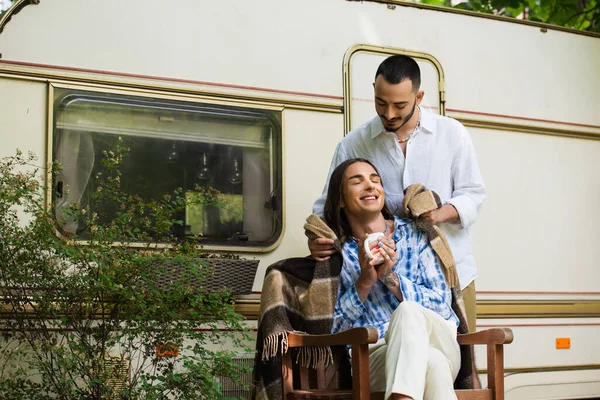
[[276, 175], [385, 51]]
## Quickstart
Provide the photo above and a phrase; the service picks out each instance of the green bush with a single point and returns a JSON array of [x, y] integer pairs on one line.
[[89, 320]]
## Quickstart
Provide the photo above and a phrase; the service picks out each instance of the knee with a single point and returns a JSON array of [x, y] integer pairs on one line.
[[407, 310]]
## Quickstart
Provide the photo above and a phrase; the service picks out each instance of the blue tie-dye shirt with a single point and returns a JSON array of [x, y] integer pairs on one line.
[[421, 281]]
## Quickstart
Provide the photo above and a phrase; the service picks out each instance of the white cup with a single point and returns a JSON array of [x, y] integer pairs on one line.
[[373, 237]]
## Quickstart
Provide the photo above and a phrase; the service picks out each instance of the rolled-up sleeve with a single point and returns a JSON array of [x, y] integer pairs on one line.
[[468, 191]]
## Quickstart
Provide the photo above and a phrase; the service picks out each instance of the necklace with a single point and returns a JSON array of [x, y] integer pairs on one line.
[[384, 231], [406, 139]]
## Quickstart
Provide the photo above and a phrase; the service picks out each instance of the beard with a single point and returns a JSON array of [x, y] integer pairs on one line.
[[404, 120]]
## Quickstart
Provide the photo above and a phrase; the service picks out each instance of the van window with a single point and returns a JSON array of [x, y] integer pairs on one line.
[[197, 147]]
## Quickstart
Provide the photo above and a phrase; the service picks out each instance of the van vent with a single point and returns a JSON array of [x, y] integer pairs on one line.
[[243, 388], [118, 369]]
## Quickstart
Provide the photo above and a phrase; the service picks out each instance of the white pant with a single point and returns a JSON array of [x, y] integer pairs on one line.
[[419, 356]]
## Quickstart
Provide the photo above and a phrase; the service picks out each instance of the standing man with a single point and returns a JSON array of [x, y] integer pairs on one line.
[[408, 145]]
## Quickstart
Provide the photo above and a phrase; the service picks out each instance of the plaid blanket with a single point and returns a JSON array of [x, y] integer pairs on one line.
[[299, 294]]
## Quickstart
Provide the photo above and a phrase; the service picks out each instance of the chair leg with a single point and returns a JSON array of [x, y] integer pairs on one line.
[[495, 361], [360, 372], [287, 374]]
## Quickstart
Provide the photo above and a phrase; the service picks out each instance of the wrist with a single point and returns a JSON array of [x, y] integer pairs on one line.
[[447, 213], [390, 279], [365, 282]]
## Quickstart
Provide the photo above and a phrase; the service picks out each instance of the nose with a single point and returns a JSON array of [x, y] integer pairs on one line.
[[389, 113]]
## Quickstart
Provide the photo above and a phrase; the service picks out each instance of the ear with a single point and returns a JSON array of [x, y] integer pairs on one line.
[[420, 95]]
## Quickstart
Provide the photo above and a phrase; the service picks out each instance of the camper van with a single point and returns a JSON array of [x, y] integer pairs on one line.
[[252, 97]]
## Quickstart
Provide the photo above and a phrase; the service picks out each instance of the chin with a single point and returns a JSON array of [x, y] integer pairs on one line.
[[391, 128], [374, 209]]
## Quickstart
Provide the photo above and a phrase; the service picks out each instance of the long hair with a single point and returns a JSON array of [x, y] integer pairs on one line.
[[334, 214]]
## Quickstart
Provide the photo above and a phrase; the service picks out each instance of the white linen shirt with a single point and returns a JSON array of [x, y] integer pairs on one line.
[[439, 155]]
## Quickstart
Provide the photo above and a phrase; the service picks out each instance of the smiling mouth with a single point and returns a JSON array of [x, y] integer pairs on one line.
[[370, 197]]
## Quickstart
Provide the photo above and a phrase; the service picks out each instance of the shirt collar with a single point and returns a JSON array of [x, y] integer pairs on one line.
[[427, 120], [401, 221], [397, 223], [427, 123]]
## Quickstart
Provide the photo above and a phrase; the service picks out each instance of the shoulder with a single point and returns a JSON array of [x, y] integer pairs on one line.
[[407, 228], [402, 222], [405, 225], [363, 133], [442, 125]]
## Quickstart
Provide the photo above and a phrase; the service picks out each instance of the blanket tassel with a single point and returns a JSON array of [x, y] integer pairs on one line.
[[271, 345], [312, 357]]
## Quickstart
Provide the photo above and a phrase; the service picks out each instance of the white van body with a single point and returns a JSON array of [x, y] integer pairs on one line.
[[528, 94]]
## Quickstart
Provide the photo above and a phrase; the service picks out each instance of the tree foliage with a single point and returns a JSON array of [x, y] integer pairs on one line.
[[4, 6], [577, 14], [97, 320]]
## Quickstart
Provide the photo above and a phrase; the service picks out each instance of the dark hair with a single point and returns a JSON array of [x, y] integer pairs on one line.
[[396, 69], [334, 214]]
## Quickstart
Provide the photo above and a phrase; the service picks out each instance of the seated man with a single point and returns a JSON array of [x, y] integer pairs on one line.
[[406, 297]]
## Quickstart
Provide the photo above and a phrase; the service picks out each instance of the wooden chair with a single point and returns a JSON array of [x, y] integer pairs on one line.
[[360, 338]]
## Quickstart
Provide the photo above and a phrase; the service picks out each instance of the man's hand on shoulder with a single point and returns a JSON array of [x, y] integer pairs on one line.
[[321, 249]]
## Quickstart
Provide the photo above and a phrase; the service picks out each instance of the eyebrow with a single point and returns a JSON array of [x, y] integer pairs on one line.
[[399, 103], [360, 176]]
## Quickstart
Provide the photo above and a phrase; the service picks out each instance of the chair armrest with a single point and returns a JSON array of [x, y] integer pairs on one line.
[[488, 336], [354, 336]]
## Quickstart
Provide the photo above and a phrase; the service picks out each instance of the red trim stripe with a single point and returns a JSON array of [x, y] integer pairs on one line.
[[261, 89], [159, 78], [516, 292], [523, 118], [535, 325]]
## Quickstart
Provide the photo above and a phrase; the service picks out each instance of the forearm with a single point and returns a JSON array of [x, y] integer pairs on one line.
[[467, 206], [363, 288]]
